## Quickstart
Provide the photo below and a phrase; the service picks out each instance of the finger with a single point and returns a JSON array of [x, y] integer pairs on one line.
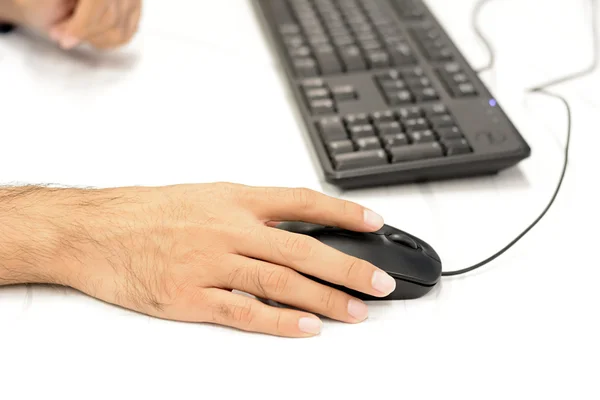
[[247, 314], [108, 30], [74, 30], [122, 29], [307, 205], [133, 19], [311, 257], [286, 286]]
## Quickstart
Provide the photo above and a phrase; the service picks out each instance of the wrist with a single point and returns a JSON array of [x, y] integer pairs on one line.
[[32, 228]]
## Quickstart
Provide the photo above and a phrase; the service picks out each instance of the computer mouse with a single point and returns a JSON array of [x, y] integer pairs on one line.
[[413, 263]]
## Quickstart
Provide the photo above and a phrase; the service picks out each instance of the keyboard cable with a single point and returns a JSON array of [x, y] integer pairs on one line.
[[541, 89]]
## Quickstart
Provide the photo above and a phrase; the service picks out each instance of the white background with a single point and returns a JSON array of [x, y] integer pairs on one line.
[[197, 97]]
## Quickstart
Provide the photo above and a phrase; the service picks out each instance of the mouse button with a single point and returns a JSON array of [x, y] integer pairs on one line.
[[403, 240], [416, 267], [428, 250], [403, 262], [385, 230]]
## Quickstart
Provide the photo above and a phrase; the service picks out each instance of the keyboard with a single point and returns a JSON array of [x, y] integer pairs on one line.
[[384, 93]]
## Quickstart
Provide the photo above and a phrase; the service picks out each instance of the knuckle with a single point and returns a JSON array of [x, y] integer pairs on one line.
[[300, 247], [240, 315], [229, 191], [220, 313], [275, 281], [279, 323], [243, 314], [305, 198], [226, 187], [354, 269], [328, 300]]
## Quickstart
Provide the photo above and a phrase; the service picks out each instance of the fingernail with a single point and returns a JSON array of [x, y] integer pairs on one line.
[[373, 220], [358, 310], [69, 42], [383, 283], [311, 326]]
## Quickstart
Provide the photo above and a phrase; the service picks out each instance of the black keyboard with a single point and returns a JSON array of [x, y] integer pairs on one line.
[[385, 94]]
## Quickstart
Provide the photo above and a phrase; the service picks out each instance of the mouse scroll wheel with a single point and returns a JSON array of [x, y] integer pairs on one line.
[[403, 240]]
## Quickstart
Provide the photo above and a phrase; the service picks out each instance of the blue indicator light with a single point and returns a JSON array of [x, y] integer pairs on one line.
[[493, 103]]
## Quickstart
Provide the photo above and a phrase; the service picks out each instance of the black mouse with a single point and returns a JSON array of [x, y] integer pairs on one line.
[[413, 263]]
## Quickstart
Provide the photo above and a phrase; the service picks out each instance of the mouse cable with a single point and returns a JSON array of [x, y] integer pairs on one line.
[[474, 23], [543, 90]]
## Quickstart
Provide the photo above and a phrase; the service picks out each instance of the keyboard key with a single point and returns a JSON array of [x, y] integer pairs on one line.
[[313, 83], [360, 159], [328, 61], [383, 116], [293, 42], [460, 78], [322, 106], [357, 119], [332, 129], [449, 133], [398, 139], [441, 54], [317, 38], [353, 58], [414, 73], [441, 121], [426, 136], [306, 67], [416, 124], [456, 147], [317, 94], [344, 40], [340, 147], [389, 128], [391, 75], [400, 97], [452, 68], [415, 152], [362, 131], [393, 86], [421, 82], [378, 59], [369, 45], [426, 94], [300, 52], [466, 89], [344, 93], [438, 109], [289, 29], [368, 143], [410, 112]]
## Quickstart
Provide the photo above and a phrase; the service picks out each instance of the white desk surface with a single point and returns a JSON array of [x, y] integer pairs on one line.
[[197, 97]]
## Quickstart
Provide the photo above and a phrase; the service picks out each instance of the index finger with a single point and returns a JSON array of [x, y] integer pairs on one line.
[[306, 205]]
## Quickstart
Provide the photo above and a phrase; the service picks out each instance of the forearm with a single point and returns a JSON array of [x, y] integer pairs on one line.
[[31, 232]]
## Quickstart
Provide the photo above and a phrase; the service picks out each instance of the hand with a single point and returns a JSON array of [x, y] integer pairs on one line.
[[104, 24], [178, 252]]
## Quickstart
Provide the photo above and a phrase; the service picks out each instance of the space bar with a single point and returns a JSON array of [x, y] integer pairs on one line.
[[360, 159]]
